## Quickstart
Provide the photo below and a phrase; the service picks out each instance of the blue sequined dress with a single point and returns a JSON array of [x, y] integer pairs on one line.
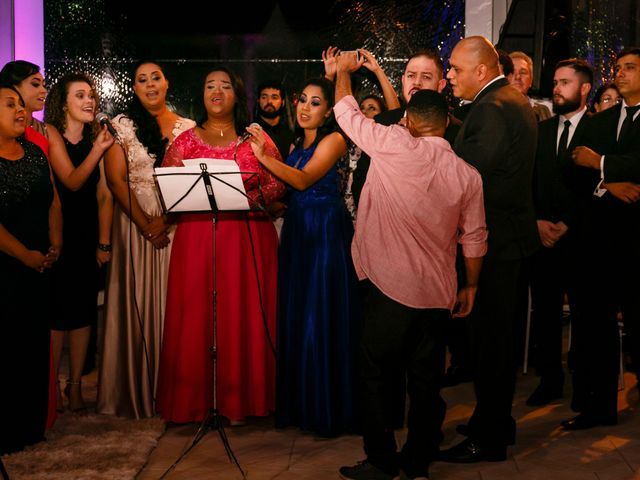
[[319, 307]]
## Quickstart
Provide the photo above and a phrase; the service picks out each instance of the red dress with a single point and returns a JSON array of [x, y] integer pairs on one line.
[[41, 141], [245, 362]]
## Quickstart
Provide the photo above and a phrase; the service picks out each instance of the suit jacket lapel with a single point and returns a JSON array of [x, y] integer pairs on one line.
[[623, 143], [575, 139], [578, 133], [552, 145], [494, 86]]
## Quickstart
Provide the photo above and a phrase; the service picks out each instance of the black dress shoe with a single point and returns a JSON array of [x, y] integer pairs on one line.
[[465, 430], [584, 421], [544, 395], [578, 402], [365, 470], [468, 451]]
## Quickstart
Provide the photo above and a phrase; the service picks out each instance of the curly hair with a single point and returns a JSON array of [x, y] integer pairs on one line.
[[146, 126], [330, 125], [240, 109], [55, 110]]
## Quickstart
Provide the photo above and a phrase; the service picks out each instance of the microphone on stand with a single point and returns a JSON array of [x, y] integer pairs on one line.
[[103, 119]]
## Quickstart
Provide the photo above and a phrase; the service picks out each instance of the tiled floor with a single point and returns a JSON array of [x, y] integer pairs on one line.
[[543, 451]]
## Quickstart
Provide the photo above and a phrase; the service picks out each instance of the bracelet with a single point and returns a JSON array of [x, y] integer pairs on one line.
[[105, 247]]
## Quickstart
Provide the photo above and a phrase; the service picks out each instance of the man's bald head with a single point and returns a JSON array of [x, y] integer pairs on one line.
[[481, 50], [474, 63]]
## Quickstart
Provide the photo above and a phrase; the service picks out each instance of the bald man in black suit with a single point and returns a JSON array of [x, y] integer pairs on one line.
[[498, 137]]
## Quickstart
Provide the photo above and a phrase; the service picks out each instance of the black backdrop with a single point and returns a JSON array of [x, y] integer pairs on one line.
[[276, 39]]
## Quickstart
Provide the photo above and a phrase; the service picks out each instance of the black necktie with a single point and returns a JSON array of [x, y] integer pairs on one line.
[[628, 121], [564, 139]]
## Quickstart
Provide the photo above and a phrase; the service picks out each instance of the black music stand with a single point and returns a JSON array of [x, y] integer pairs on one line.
[[3, 471], [191, 189]]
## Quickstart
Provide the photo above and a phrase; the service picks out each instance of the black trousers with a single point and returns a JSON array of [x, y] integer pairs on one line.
[[607, 282], [553, 273], [457, 331], [396, 341], [629, 287], [493, 349], [595, 346]]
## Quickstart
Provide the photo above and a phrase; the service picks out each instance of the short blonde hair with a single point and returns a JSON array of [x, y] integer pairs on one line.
[[525, 57]]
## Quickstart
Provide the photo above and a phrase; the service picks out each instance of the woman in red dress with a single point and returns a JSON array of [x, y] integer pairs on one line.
[[245, 275]]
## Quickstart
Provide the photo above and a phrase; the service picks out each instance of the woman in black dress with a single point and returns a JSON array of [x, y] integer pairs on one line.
[[30, 241], [87, 208]]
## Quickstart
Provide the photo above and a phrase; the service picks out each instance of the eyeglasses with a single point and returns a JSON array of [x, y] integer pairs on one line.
[[609, 99]]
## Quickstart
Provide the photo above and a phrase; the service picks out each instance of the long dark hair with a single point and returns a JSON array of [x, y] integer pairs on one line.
[[240, 109], [16, 71], [54, 109], [146, 126], [330, 125]]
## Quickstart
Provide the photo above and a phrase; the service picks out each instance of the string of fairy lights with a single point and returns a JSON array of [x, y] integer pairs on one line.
[[598, 30]]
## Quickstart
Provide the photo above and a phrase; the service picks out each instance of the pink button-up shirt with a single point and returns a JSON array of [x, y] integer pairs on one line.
[[420, 199]]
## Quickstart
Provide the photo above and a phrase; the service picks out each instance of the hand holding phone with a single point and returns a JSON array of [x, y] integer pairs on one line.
[[357, 52]]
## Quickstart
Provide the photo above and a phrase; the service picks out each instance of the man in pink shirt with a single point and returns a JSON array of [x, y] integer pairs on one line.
[[418, 202]]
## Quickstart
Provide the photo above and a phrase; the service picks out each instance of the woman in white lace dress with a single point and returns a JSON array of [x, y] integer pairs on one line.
[[141, 236]]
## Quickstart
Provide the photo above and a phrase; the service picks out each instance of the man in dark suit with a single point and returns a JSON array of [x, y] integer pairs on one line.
[[424, 71], [498, 137], [611, 150], [558, 213], [506, 69]]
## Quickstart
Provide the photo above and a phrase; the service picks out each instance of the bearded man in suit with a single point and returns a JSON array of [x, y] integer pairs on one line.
[[559, 208]]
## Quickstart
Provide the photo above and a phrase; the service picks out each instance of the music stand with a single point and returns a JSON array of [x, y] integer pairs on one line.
[[190, 189], [3, 471]]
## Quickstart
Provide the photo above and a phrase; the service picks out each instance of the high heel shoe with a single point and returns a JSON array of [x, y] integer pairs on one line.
[[79, 407]]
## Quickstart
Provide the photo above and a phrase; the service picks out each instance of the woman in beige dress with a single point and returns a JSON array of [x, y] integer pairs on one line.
[[141, 238]]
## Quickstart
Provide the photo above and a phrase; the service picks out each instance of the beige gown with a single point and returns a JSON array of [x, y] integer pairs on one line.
[[133, 326]]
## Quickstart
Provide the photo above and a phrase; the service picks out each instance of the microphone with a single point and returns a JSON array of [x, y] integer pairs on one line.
[[246, 135], [103, 119]]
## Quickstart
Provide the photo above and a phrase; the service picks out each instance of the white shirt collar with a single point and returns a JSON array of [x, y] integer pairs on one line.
[[624, 104], [483, 88], [575, 119]]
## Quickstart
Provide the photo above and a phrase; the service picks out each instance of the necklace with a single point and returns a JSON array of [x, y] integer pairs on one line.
[[222, 128]]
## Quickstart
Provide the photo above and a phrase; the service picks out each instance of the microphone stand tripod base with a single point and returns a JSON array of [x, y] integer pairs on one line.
[[212, 421]]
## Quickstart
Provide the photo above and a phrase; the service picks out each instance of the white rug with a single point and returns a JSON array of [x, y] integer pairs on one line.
[[88, 447]]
